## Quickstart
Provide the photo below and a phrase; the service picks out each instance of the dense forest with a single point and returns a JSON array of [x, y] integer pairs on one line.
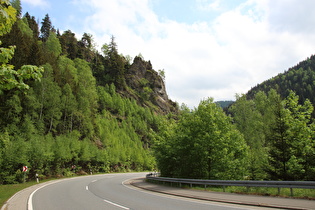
[[64, 104]]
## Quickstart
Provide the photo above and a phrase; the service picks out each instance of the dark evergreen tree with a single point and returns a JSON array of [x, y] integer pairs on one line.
[[69, 44], [32, 25], [86, 47], [17, 37], [114, 64], [45, 28]]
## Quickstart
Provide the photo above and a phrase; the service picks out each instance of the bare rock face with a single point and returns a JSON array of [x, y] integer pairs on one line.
[[149, 85]]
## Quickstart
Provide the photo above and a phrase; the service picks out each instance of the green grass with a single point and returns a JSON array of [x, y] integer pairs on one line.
[[7, 191], [266, 191]]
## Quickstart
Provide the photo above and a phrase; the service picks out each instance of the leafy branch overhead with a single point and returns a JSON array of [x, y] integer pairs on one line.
[[10, 78]]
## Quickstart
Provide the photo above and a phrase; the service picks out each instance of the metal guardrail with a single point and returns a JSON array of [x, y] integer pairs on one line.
[[245, 183]]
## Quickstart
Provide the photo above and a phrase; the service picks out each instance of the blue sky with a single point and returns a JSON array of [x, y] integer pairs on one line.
[[208, 48]]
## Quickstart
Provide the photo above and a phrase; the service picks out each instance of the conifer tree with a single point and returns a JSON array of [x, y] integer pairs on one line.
[[114, 64], [32, 24], [45, 28], [290, 140]]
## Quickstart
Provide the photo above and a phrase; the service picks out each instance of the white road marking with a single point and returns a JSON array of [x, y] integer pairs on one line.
[[115, 204], [30, 198], [94, 180], [87, 187]]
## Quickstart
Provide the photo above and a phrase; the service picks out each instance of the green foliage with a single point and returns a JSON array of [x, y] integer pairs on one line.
[[249, 121], [279, 133], [162, 74], [203, 145], [23, 25], [291, 140], [65, 119], [69, 44], [115, 64], [7, 17], [224, 104], [17, 6], [10, 78], [53, 45], [45, 28]]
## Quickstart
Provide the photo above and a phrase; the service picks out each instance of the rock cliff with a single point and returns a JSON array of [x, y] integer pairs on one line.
[[148, 86]]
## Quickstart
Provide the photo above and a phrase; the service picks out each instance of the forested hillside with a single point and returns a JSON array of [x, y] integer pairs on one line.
[[299, 79], [96, 111]]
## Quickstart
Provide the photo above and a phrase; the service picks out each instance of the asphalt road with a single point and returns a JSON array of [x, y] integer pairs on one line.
[[109, 192]]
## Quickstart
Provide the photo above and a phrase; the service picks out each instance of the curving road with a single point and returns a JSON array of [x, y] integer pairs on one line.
[[109, 192]]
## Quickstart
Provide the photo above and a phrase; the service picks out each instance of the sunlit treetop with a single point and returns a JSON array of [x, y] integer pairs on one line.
[[7, 16]]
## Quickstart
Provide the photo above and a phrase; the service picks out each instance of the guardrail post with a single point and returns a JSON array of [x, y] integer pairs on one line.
[[224, 183]]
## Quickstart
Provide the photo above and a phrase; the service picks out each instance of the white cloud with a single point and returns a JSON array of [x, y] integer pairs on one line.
[[293, 16], [37, 3], [206, 5], [239, 49]]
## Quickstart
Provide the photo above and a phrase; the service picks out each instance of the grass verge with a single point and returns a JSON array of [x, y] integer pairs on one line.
[[7, 191], [265, 191]]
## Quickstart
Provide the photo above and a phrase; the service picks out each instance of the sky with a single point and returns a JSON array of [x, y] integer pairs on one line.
[[207, 48]]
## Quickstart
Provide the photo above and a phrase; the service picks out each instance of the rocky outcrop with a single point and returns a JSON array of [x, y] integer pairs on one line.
[[148, 85]]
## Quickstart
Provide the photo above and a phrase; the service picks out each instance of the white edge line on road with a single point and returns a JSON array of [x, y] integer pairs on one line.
[[30, 198], [4, 207], [115, 204]]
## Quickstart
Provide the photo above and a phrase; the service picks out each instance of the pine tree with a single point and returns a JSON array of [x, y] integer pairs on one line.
[[69, 44], [32, 24], [46, 28], [114, 64]]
